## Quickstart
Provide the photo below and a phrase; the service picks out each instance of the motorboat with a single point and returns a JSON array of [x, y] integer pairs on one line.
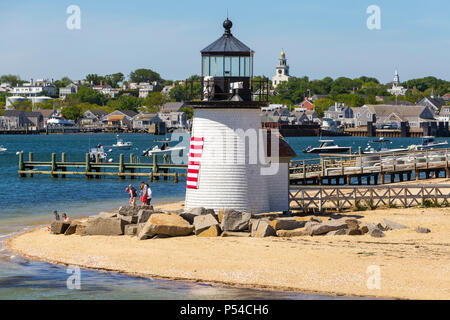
[[381, 149], [327, 146], [120, 144], [97, 151], [161, 150], [429, 143], [58, 121], [3, 149]]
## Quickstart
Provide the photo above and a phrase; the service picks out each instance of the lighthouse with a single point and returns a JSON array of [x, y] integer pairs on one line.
[[225, 168]]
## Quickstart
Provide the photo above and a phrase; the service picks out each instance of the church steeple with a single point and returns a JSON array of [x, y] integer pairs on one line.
[[282, 70]]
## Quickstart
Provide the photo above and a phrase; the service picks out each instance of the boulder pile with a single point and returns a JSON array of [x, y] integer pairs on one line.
[[146, 223]]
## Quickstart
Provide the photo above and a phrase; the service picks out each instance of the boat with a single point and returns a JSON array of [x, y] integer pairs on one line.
[[120, 144], [327, 146], [98, 150], [161, 150], [429, 143], [3, 149], [162, 140], [371, 150], [58, 121]]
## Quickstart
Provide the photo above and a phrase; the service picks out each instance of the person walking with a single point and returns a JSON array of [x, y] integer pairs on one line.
[[144, 194], [133, 195], [149, 194], [65, 217], [55, 213]]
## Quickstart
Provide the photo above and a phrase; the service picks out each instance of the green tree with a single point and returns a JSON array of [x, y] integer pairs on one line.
[[94, 78], [64, 82], [86, 94], [114, 79], [144, 75], [125, 103], [154, 101], [14, 80], [188, 110], [72, 112]]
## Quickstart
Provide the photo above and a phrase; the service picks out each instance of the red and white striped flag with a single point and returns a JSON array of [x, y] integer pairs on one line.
[[195, 153]]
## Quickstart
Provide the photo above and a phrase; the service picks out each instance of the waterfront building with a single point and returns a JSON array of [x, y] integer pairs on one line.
[[339, 112], [281, 71], [120, 119], [174, 120], [223, 170], [397, 89], [70, 89], [93, 118], [444, 115], [433, 103], [144, 121], [171, 107]]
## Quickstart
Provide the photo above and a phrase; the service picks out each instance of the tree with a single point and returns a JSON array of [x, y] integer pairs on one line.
[[64, 82], [323, 105], [125, 103], [144, 75], [188, 110], [86, 94], [72, 112], [14, 80], [114, 79], [154, 100], [94, 78]]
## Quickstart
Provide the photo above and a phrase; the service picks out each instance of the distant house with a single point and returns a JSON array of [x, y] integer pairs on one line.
[[340, 112], [143, 121], [444, 115], [306, 117], [307, 104], [166, 89], [35, 119], [93, 117], [70, 89], [46, 114], [15, 119], [172, 107], [388, 114], [174, 120], [446, 97], [120, 119], [435, 104]]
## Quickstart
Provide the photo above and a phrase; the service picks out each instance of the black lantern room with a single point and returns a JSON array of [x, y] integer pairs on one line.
[[227, 70]]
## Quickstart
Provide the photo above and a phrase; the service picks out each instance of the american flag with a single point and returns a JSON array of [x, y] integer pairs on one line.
[[195, 153]]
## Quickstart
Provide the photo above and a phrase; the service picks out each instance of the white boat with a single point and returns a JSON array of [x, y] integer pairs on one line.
[[99, 150], [2, 149], [164, 149], [383, 150], [429, 143], [326, 146], [120, 144], [57, 121]]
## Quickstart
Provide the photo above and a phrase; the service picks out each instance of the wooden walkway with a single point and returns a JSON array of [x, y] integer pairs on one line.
[[97, 169], [339, 198], [373, 168]]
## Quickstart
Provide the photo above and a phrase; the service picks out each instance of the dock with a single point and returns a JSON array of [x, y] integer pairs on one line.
[[373, 169], [95, 169]]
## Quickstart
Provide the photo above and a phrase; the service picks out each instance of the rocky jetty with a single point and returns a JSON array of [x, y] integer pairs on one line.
[[147, 223]]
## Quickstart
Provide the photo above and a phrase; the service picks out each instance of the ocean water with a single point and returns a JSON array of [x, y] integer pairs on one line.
[[28, 202]]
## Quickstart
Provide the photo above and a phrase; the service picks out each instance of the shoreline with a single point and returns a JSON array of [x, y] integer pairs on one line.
[[414, 265]]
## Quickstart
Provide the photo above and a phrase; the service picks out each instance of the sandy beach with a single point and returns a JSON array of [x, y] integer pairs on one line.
[[412, 265]]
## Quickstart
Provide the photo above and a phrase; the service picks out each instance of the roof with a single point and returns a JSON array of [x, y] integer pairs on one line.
[[172, 106], [145, 116], [12, 113], [401, 110], [227, 43], [33, 114], [47, 112], [129, 113], [98, 112], [115, 118]]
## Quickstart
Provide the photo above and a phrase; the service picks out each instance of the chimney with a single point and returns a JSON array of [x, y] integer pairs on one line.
[[101, 82]]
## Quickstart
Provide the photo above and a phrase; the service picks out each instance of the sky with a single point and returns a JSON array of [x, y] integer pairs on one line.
[[320, 37]]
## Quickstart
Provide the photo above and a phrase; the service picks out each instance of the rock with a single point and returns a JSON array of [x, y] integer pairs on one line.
[[210, 211], [213, 231], [323, 228], [106, 214], [377, 233], [422, 230], [129, 210], [364, 228], [220, 215], [140, 226], [143, 215], [316, 219], [130, 229], [235, 234], [129, 219], [300, 232], [287, 224], [262, 228], [72, 229], [353, 224], [59, 227], [80, 229], [353, 232], [104, 226], [204, 222], [194, 212], [392, 225], [197, 211], [235, 221], [340, 232], [165, 224]]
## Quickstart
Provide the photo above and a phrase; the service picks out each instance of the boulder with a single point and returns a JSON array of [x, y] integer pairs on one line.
[[104, 226], [143, 215], [192, 213], [316, 219], [236, 234], [235, 220], [213, 231], [353, 224], [107, 214], [392, 225], [262, 228], [300, 232], [340, 232], [204, 222], [353, 232], [59, 227], [364, 228], [130, 229], [72, 229], [422, 230], [129, 219], [80, 229], [327, 226], [139, 228], [210, 211], [129, 210], [197, 211], [377, 233], [287, 224], [165, 224], [220, 215]]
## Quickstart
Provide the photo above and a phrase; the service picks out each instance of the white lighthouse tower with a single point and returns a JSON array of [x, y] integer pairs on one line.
[[225, 169]]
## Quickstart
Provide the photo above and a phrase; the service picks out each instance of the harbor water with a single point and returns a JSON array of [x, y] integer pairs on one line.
[[28, 202]]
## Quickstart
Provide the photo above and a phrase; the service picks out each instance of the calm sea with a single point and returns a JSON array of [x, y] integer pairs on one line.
[[27, 202]]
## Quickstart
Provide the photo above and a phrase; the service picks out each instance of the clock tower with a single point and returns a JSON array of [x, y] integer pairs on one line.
[[282, 70]]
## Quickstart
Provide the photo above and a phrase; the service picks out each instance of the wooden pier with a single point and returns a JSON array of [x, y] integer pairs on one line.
[[372, 169], [96, 169]]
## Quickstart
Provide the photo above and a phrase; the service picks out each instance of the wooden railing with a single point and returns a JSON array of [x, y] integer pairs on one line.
[[306, 198]]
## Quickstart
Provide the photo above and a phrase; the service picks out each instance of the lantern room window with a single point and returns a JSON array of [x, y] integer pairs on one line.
[[226, 66]]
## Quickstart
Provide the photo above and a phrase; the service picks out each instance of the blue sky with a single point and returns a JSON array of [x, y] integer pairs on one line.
[[321, 37]]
